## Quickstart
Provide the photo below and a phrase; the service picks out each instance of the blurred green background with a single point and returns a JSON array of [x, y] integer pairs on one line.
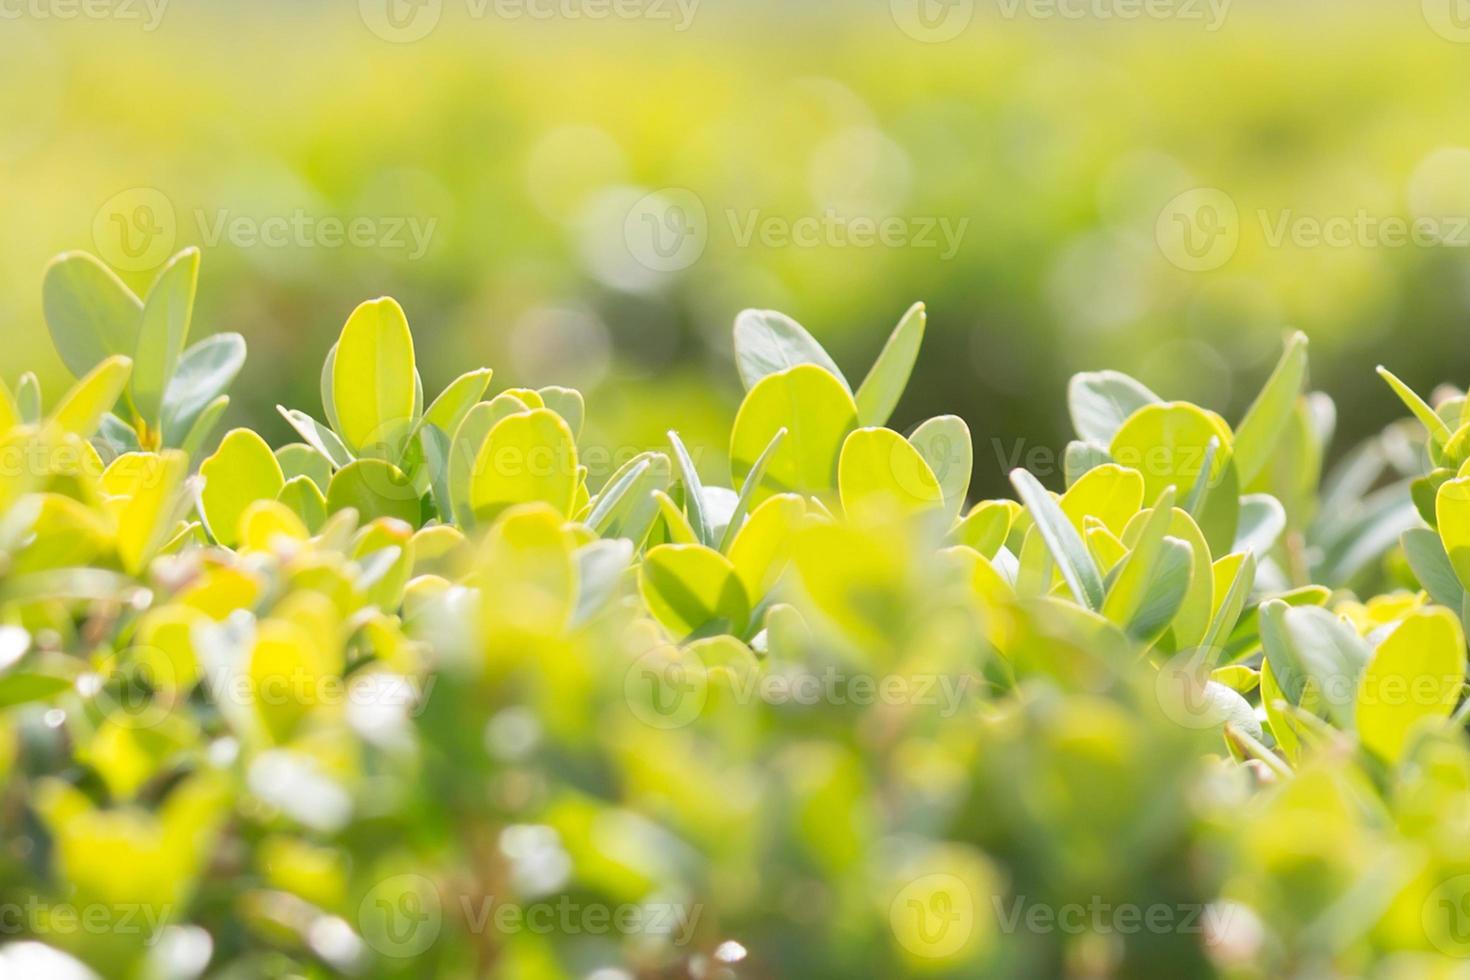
[[1010, 162]]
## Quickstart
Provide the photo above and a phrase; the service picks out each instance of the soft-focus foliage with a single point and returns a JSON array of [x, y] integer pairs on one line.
[[487, 175], [414, 696]]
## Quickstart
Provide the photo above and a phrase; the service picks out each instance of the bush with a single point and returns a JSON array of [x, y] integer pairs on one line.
[[409, 698]]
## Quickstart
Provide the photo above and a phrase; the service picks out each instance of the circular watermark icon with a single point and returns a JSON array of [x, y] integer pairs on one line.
[[932, 21], [1199, 230], [136, 229], [1184, 691], [933, 916], [401, 21], [401, 916], [128, 695], [666, 687], [1446, 917], [667, 230], [1450, 19]]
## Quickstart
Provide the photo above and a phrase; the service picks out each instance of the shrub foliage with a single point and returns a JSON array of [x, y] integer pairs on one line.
[[412, 697]]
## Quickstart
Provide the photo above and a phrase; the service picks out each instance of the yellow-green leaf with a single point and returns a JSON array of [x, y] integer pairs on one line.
[[689, 586], [373, 380], [1417, 672], [526, 457], [817, 412], [880, 463], [242, 471]]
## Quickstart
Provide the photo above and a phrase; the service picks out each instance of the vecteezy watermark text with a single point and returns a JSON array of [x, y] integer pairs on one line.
[[1098, 916], [670, 689], [1200, 229], [149, 13], [668, 230], [136, 230], [935, 21], [406, 21], [404, 915]]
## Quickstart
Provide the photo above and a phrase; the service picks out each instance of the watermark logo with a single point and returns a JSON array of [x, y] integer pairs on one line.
[[136, 229], [933, 917], [1199, 230], [1446, 917], [1184, 691], [401, 21], [666, 688], [401, 916], [932, 21], [667, 230], [1450, 19]]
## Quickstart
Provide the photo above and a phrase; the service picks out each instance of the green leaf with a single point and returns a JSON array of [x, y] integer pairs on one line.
[[1262, 519], [1260, 431], [626, 506], [600, 568], [1132, 579], [747, 492], [456, 400], [193, 442], [767, 343], [464, 450], [24, 688], [150, 486], [205, 371], [1427, 557], [167, 314], [82, 408], [689, 588], [526, 457], [329, 398], [306, 501], [1227, 611], [763, 546], [1100, 401], [299, 459], [1080, 458], [28, 398], [1110, 493], [373, 380], [568, 403], [1191, 620], [817, 412], [879, 463], [1439, 433], [881, 390], [434, 445], [1164, 592], [1062, 540], [317, 436], [676, 529], [1452, 510], [374, 488], [986, 526], [1169, 443], [693, 492], [90, 313], [242, 470], [1309, 645], [944, 443], [1416, 673]]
